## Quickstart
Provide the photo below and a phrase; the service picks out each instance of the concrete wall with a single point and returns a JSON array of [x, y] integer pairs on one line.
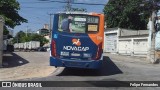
[[1, 40], [129, 32], [129, 41], [157, 43], [126, 32]]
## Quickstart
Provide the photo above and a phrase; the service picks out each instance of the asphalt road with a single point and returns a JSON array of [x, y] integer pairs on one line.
[[112, 70]]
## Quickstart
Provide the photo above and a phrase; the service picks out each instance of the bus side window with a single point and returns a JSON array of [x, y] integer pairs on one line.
[[66, 24]]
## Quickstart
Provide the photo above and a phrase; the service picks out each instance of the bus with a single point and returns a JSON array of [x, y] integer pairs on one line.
[[77, 40]]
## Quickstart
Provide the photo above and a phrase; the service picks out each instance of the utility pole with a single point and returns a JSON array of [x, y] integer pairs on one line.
[[50, 26], [68, 6], [17, 40], [152, 34], [1, 40], [26, 31]]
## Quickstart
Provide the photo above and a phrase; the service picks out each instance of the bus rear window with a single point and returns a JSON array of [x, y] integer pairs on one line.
[[78, 23]]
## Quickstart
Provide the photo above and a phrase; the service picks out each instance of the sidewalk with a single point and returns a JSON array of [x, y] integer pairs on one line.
[[22, 65], [132, 59]]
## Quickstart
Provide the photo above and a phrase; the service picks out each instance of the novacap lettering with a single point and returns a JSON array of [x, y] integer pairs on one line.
[[76, 48]]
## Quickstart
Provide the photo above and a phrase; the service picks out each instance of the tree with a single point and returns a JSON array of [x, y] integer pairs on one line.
[[21, 38], [36, 37], [129, 14], [9, 10], [134, 14], [5, 31]]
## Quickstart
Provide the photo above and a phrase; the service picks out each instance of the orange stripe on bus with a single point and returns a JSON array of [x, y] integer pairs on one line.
[[98, 38]]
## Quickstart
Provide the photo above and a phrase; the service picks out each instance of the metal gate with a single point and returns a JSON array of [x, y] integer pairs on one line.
[[125, 47], [140, 46], [110, 43]]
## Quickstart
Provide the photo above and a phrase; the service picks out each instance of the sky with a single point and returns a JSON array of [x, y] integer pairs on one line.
[[37, 11]]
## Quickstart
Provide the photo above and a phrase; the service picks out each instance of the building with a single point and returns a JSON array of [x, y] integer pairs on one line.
[[44, 31], [126, 42]]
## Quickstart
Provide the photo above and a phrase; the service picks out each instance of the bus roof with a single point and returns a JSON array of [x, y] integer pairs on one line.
[[84, 13]]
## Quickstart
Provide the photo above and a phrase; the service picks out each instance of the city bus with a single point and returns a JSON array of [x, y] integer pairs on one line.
[[77, 40]]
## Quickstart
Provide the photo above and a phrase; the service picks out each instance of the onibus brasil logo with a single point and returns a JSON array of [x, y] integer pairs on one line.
[[76, 46]]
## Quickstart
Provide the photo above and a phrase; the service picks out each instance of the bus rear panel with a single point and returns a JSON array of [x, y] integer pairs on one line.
[[77, 40]]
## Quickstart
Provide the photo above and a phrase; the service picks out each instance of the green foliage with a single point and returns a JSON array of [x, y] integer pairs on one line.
[[5, 32], [21, 37], [36, 37], [9, 10], [131, 14]]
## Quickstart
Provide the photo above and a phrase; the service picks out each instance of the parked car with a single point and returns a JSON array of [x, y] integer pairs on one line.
[[47, 48], [41, 49]]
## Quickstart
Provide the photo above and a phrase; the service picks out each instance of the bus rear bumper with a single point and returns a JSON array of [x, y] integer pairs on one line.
[[88, 64]]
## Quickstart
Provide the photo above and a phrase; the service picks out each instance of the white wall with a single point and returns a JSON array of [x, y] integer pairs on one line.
[[133, 46], [128, 41]]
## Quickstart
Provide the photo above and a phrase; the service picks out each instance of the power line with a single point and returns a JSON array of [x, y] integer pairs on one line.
[[79, 3], [68, 1], [41, 7]]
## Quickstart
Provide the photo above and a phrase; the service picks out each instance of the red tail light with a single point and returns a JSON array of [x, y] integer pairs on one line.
[[53, 52], [99, 52]]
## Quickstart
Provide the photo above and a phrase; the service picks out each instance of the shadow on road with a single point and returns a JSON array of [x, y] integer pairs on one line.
[[108, 68], [13, 60]]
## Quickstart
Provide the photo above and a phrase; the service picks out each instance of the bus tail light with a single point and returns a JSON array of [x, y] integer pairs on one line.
[[53, 46], [99, 52]]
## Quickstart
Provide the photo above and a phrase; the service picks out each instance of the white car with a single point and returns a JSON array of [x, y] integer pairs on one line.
[[48, 49]]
